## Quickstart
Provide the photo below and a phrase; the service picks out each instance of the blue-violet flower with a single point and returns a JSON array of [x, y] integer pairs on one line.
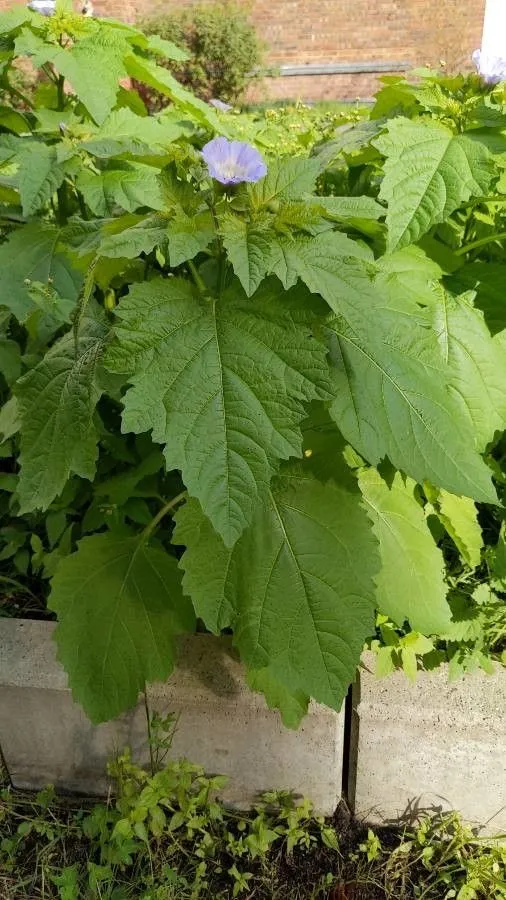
[[231, 162], [491, 68]]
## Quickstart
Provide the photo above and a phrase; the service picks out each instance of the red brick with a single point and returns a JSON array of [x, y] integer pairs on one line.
[[302, 32]]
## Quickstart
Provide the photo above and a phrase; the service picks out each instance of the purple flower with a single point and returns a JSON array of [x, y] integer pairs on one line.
[[44, 7], [219, 104], [491, 68], [231, 162]]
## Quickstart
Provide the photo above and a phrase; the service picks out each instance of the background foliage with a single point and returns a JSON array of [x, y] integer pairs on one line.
[[223, 50]]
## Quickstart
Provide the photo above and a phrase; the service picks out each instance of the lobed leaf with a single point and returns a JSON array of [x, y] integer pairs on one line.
[[160, 79], [429, 172], [120, 606], [222, 383], [488, 280], [33, 252], [292, 705], [476, 364], [128, 185], [410, 584], [188, 235], [460, 518], [329, 264], [249, 250], [299, 583], [286, 179], [57, 400], [93, 67], [350, 208], [38, 175], [392, 395]]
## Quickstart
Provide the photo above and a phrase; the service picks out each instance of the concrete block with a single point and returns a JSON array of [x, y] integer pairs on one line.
[[223, 726], [430, 745]]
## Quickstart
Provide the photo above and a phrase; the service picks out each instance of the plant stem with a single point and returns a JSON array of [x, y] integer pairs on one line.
[[196, 277], [62, 190], [82, 205], [500, 236], [13, 90], [477, 200], [63, 210], [60, 86], [219, 240], [50, 74], [160, 515], [150, 736]]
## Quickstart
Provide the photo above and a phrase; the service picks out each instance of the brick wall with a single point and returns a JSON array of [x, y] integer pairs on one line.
[[312, 32]]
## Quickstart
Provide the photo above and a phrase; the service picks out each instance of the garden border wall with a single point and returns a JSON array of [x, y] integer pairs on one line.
[[223, 726], [413, 747], [432, 745]]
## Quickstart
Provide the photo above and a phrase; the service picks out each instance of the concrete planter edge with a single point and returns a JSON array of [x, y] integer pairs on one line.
[[46, 738]]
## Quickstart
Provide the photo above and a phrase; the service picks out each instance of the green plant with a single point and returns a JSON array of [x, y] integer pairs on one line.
[[291, 130], [242, 393], [166, 835], [166, 829], [223, 50]]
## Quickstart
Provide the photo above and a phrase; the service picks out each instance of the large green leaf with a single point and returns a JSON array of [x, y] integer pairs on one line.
[[13, 18], [125, 132], [393, 398], [129, 185], [409, 275], [299, 580], [476, 363], [460, 518], [94, 67], [223, 384], [410, 584], [329, 264], [349, 139], [31, 252], [141, 237], [286, 179], [211, 588], [38, 174], [429, 172], [349, 208], [189, 235], [119, 607], [292, 705], [249, 249], [164, 48], [160, 79], [57, 400], [488, 279]]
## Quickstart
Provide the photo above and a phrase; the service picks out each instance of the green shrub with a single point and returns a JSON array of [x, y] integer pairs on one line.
[[223, 45], [294, 371]]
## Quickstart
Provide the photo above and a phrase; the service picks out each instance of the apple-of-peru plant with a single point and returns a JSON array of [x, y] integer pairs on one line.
[[239, 392]]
